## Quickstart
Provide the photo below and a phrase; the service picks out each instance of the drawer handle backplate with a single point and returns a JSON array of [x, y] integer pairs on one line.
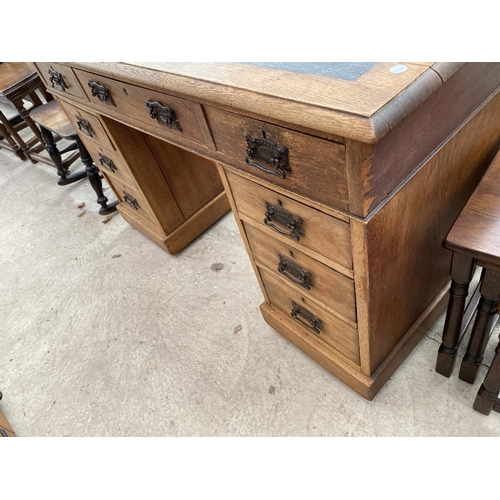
[[294, 272], [101, 92], [84, 126], [313, 322], [56, 80], [285, 219], [107, 163], [163, 114], [265, 150], [128, 198]]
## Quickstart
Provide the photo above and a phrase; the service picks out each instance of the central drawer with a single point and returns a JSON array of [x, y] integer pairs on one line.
[[298, 162]]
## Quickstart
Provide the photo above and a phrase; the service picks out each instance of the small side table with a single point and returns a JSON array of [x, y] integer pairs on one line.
[[474, 240]]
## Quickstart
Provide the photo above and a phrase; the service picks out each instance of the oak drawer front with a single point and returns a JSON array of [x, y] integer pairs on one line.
[[304, 273], [60, 79], [311, 167], [129, 194], [109, 162], [311, 317], [315, 230], [87, 124], [132, 101]]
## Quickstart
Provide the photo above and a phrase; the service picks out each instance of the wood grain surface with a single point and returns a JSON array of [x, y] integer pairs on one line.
[[320, 232], [405, 265], [317, 166], [335, 333], [476, 232], [330, 288]]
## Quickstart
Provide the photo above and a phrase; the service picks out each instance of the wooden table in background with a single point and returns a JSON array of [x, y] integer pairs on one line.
[[343, 178]]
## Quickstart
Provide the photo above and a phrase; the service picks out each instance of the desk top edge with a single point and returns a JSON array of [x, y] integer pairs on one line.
[[364, 109]]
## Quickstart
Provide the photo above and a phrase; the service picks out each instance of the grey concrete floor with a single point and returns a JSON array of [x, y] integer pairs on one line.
[[104, 334]]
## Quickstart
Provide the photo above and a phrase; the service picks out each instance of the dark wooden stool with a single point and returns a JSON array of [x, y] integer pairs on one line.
[[19, 82], [52, 120], [474, 240]]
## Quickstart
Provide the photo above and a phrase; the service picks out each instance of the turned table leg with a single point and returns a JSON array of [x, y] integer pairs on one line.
[[487, 396], [95, 180], [462, 271], [486, 319]]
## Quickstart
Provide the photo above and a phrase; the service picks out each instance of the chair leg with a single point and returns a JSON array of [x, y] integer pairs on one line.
[[17, 146], [487, 396], [56, 157], [18, 103], [462, 271], [486, 319], [95, 180]]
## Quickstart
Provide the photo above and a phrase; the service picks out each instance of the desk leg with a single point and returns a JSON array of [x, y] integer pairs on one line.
[[95, 180], [486, 319], [462, 271]]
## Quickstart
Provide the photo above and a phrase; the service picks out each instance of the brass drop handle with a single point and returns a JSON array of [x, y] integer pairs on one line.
[[84, 126], [101, 92], [164, 115], [266, 151], [312, 322], [107, 163], [285, 219], [56, 80], [294, 272]]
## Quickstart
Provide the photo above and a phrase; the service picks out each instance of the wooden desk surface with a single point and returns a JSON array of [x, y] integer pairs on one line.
[[363, 108]]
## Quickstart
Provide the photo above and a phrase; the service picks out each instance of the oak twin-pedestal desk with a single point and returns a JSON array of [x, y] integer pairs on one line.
[[344, 179]]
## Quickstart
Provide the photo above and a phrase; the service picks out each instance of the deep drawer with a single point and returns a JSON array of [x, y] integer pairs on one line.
[[312, 317], [311, 167], [304, 273], [60, 79], [87, 124], [314, 230], [132, 101]]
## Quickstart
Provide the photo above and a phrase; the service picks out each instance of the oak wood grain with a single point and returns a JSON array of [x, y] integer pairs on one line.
[[320, 232], [317, 166], [193, 180], [99, 135], [130, 100], [406, 263], [330, 288], [396, 156], [334, 332], [69, 78]]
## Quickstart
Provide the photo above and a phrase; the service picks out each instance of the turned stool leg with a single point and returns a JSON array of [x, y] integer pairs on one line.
[[95, 180], [487, 396], [462, 271], [485, 321]]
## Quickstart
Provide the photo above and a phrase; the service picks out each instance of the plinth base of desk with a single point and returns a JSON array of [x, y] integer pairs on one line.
[[348, 372], [186, 232]]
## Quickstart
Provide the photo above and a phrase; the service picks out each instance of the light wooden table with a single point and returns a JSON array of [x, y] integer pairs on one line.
[[344, 180]]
